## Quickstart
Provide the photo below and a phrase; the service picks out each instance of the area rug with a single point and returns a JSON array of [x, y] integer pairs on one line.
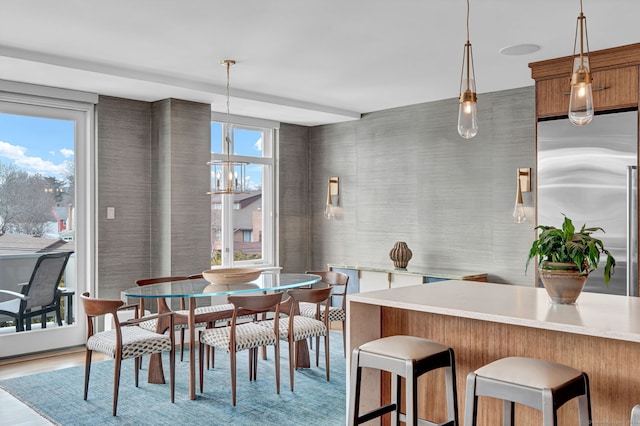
[[57, 395]]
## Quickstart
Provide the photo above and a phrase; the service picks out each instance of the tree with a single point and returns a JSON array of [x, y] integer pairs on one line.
[[25, 205], [70, 177], [56, 187]]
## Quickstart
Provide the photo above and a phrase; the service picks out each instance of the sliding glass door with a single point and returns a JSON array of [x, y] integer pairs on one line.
[[45, 204]]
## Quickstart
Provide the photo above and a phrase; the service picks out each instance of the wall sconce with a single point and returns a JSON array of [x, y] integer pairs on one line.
[[523, 184], [333, 191]]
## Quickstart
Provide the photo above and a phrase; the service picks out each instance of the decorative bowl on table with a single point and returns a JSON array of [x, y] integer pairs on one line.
[[231, 275]]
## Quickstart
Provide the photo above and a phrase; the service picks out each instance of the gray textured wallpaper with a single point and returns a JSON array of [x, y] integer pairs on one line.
[[406, 175]]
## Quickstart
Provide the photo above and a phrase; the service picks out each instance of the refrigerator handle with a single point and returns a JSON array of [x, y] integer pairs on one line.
[[632, 232]]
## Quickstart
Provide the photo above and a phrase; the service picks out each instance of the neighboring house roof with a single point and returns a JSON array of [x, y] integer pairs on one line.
[[22, 243], [243, 199], [61, 212]]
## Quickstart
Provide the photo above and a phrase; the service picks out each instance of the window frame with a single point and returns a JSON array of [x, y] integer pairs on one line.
[[48, 102], [269, 193]]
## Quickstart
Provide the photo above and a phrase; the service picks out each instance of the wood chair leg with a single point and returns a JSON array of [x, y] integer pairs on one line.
[[318, 351], [232, 358], [136, 369], [201, 363], [181, 344], [277, 358], [255, 364], [116, 383], [87, 370], [292, 361], [326, 354], [172, 369]]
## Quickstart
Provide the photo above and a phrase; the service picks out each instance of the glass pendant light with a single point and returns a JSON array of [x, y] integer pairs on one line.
[[581, 98], [468, 109]]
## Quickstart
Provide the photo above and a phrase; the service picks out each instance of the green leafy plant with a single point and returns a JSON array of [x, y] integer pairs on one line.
[[568, 246]]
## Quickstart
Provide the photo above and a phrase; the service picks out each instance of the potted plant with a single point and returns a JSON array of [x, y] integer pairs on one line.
[[566, 257]]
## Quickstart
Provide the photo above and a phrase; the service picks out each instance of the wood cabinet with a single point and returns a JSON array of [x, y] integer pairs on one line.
[[615, 81], [612, 89]]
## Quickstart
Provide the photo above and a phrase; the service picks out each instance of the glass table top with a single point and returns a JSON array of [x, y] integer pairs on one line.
[[202, 288]]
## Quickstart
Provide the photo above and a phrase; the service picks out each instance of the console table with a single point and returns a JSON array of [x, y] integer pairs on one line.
[[373, 277]]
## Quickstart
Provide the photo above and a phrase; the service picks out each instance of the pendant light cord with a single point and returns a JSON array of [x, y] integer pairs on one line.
[[468, 20]]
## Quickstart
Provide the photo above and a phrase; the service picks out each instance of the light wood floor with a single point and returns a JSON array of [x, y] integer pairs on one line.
[[14, 412]]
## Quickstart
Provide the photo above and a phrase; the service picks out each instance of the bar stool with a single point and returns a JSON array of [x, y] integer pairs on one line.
[[408, 357], [539, 384]]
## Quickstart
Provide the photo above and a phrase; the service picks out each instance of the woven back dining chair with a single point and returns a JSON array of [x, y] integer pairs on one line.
[[339, 282], [126, 340], [245, 336], [152, 324], [296, 327]]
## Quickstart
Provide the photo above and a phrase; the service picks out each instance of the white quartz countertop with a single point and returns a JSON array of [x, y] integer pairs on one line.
[[594, 314]]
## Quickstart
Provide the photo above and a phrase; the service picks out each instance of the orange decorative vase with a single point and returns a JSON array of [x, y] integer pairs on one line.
[[400, 254]]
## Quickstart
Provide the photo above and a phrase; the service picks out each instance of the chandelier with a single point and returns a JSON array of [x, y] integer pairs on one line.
[[228, 177]]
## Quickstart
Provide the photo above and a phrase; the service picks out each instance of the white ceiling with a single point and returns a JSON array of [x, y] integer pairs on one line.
[[299, 61]]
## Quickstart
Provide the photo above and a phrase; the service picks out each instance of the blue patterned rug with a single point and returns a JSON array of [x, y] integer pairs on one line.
[[57, 395]]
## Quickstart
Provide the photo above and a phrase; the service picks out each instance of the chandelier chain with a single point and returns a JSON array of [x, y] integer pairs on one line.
[[228, 95]]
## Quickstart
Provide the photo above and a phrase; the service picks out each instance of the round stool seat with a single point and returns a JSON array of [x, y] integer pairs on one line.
[[405, 357], [531, 372], [404, 347], [542, 385]]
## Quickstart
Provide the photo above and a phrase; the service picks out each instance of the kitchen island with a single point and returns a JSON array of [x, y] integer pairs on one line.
[[483, 322]]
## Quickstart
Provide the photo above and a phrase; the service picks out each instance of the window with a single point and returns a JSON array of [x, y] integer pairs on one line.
[[236, 219]]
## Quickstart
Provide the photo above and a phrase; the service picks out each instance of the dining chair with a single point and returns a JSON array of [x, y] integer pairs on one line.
[[245, 336], [339, 282], [126, 340], [214, 307], [152, 324], [296, 327], [40, 295]]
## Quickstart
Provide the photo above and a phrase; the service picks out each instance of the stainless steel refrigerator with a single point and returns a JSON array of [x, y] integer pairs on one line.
[[589, 173]]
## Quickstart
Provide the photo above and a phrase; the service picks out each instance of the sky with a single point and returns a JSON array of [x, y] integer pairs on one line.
[[37, 145], [46, 146], [246, 142]]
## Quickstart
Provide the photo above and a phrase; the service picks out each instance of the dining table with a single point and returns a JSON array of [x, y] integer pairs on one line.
[[192, 289]]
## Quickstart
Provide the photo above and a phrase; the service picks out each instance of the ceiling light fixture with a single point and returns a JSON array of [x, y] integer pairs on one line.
[[519, 49], [228, 177], [468, 110], [581, 98]]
